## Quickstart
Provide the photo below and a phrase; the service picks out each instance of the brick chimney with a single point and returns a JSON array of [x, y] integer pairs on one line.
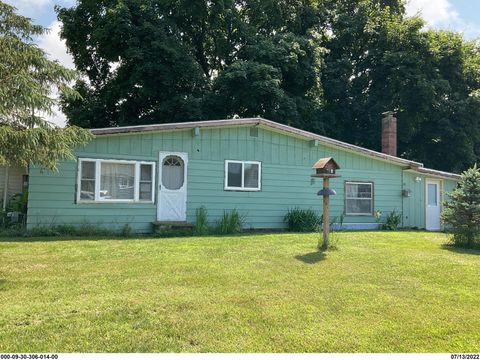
[[389, 133]]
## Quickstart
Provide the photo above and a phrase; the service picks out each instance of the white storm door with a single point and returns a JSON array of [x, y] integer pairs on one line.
[[172, 186], [432, 202]]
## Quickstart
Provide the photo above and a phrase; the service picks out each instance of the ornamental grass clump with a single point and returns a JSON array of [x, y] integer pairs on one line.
[[302, 220], [230, 223], [392, 221], [201, 221]]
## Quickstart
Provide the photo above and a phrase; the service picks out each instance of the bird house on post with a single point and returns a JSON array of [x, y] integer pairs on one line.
[[326, 168]]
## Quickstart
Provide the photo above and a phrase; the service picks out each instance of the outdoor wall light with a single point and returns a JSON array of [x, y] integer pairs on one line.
[[418, 179]]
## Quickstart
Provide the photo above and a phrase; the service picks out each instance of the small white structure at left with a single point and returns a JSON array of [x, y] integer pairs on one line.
[[13, 180]]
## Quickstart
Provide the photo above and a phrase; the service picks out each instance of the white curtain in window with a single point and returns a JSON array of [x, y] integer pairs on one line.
[[117, 181], [352, 190], [359, 199], [251, 175]]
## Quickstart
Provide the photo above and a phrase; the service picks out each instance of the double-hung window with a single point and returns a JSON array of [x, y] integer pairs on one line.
[[115, 181], [243, 175], [358, 198]]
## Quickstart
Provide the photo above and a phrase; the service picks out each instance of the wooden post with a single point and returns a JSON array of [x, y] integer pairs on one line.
[[326, 169], [326, 213]]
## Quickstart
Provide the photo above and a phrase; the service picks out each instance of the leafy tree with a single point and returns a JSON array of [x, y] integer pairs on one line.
[[329, 66], [372, 67], [379, 60], [462, 211], [447, 137], [27, 78], [137, 66], [161, 61]]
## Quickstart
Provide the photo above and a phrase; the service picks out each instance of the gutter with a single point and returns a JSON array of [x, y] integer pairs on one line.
[[436, 173], [286, 129], [403, 200]]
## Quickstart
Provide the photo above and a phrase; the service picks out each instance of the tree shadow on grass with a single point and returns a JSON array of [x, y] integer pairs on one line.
[[311, 258], [461, 250]]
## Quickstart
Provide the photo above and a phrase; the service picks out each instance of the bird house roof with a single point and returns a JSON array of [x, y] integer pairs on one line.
[[320, 164]]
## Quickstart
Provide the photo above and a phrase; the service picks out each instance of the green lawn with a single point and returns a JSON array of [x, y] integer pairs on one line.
[[380, 292]]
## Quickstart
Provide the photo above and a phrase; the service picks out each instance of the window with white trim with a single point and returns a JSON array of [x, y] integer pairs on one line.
[[358, 198], [243, 175], [115, 180]]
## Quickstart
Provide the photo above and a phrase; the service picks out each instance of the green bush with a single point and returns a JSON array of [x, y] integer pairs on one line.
[[69, 230], [392, 221], [201, 221], [126, 231], [169, 233], [461, 214], [4, 221], [18, 203], [85, 229], [230, 223], [40, 231], [13, 230], [302, 220]]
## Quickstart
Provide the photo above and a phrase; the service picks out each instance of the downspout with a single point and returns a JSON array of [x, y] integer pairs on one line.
[[5, 189], [403, 199]]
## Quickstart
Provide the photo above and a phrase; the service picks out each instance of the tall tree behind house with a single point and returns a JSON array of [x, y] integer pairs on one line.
[[327, 66]]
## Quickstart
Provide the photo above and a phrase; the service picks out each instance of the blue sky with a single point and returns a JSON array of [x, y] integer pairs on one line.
[[459, 15]]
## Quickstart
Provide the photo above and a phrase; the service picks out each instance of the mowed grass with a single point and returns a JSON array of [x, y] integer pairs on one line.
[[380, 292]]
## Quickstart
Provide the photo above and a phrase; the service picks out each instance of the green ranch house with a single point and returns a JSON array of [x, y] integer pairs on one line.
[[139, 175]]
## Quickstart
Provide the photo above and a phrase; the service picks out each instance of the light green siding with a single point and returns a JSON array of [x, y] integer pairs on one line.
[[449, 186], [414, 206], [286, 181]]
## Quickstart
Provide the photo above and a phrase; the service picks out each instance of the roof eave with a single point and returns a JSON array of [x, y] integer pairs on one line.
[[175, 126], [249, 122], [338, 143], [436, 173]]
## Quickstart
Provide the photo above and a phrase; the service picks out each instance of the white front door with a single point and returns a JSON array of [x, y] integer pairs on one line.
[[172, 187], [433, 205]]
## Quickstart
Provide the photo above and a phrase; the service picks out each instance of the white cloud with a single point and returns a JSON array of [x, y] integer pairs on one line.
[[37, 9], [56, 49], [58, 117], [434, 12], [442, 14], [32, 8], [50, 42], [29, 5]]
